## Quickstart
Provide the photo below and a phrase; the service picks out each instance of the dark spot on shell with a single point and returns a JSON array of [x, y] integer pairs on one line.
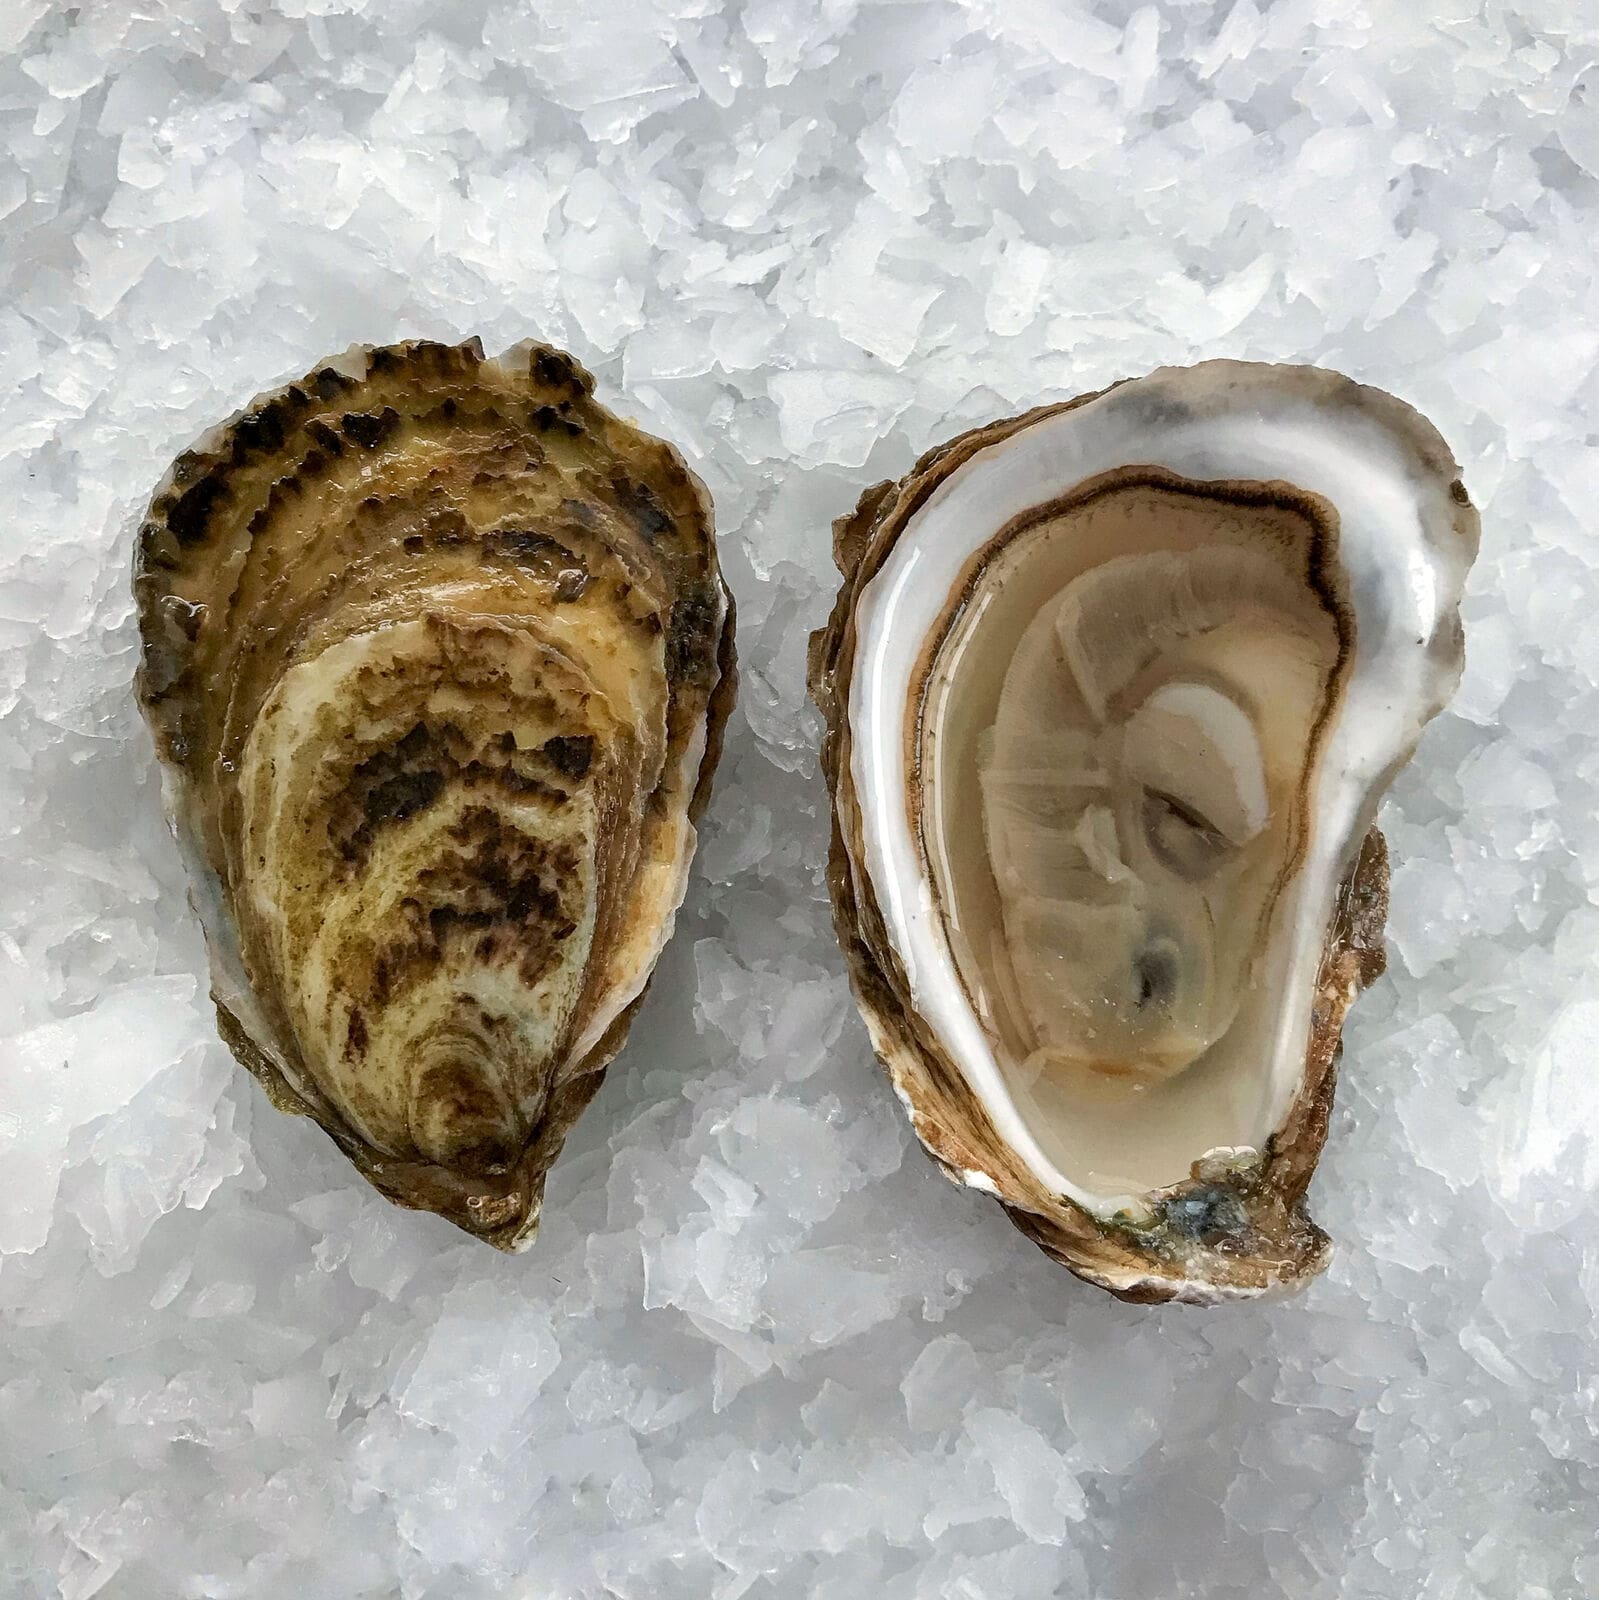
[[325, 436], [192, 511], [404, 779], [331, 383], [580, 512], [502, 898], [356, 1035], [446, 525], [442, 918], [368, 430], [545, 418], [157, 548], [546, 557], [260, 430], [387, 787], [570, 754], [528, 544], [556, 370], [638, 500], [402, 796], [691, 641]]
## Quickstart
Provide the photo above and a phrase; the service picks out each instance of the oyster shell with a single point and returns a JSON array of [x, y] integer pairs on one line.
[[1112, 692], [437, 657]]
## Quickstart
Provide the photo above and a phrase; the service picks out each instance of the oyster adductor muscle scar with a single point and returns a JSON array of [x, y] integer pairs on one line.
[[1112, 692], [437, 656]]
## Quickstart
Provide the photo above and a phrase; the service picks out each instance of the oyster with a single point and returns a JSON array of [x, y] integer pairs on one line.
[[1112, 692], [437, 657]]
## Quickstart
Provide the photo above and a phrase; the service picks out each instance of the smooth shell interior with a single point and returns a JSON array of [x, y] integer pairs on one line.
[[1228, 588], [1130, 703]]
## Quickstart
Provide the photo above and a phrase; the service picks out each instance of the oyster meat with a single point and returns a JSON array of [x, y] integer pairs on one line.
[[437, 657], [1112, 692]]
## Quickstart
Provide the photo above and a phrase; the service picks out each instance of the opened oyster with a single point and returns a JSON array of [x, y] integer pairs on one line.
[[437, 656], [1112, 692]]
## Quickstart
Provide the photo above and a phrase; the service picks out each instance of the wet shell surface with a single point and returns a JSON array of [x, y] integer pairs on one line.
[[1112, 692], [437, 657]]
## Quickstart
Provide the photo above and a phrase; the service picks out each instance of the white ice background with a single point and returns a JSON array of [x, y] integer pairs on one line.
[[762, 1349]]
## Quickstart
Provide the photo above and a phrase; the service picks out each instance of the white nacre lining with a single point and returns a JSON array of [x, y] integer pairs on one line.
[[1404, 567]]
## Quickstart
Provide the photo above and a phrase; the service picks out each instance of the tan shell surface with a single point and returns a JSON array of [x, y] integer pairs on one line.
[[437, 656]]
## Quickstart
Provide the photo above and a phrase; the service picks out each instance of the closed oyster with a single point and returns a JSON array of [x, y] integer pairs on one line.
[[1112, 692], [437, 657]]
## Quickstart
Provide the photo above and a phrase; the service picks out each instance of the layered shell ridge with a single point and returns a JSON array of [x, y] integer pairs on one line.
[[437, 655]]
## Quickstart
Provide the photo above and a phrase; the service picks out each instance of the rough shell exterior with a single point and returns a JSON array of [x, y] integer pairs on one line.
[[448, 475], [1224, 1234]]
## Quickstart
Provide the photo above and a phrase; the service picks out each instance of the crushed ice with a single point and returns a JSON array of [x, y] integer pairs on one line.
[[762, 1348]]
